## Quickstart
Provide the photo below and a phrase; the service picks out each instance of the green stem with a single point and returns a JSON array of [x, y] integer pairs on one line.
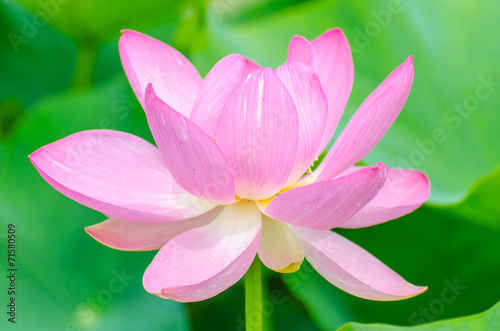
[[253, 297]]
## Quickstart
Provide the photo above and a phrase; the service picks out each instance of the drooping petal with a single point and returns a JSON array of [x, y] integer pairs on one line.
[[194, 160], [147, 60], [301, 50], [333, 63], [117, 174], [139, 236], [279, 250], [217, 85], [205, 261], [370, 122], [328, 204], [258, 132], [353, 269], [404, 191], [312, 108]]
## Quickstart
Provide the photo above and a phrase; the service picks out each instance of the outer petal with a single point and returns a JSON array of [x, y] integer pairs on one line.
[[312, 108], [333, 63], [217, 86], [279, 250], [404, 191], [194, 160], [328, 204], [117, 174], [352, 269], [203, 262], [147, 60], [258, 132], [137, 236], [370, 122]]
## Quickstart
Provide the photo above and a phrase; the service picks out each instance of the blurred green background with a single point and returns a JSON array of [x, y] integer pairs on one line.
[[60, 73]]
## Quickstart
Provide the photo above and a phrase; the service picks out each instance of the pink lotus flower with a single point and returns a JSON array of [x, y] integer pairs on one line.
[[226, 181]]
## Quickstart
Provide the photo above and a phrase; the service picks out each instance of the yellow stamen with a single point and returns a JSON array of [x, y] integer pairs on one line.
[[262, 204]]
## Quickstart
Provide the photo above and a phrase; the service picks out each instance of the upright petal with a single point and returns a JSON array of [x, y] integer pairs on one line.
[[138, 236], [301, 50], [147, 60], [328, 204], [117, 174], [370, 122], [352, 269], [404, 191], [279, 250], [205, 261], [194, 160], [258, 132], [312, 108], [217, 86], [333, 63]]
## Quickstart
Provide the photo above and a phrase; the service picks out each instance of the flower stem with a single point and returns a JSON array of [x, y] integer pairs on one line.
[[253, 297]]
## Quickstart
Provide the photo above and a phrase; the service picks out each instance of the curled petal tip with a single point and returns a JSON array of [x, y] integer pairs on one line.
[[150, 89], [149, 94], [382, 166], [292, 267], [419, 290]]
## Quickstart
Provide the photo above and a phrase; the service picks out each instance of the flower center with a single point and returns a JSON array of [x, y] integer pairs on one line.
[[262, 204]]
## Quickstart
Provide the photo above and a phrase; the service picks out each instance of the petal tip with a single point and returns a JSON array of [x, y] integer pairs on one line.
[[124, 38], [125, 31], [236, 56], [408, 65], [419, 290], [410, 68], [91, 231], [336, 33], [149, 88], [149, 94], [415, 290], [163, 293], [292, 267], [302, 38], [382, 168]]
